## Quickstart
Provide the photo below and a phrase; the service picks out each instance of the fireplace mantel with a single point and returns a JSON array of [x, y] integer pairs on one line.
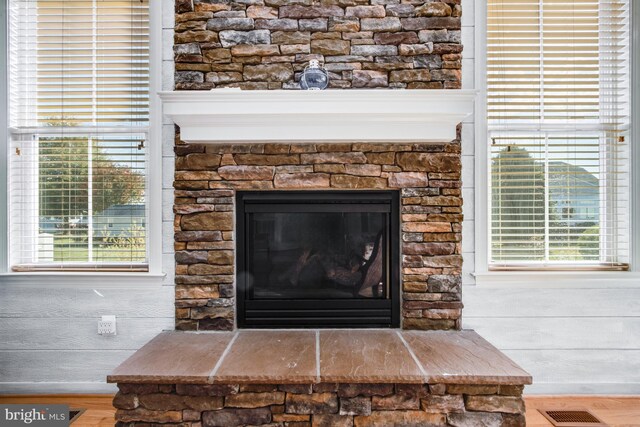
[[223, 116]]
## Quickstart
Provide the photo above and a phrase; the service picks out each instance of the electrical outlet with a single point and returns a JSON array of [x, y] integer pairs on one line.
[[107, 325]]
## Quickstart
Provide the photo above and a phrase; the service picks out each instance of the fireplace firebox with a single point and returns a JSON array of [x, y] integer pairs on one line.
[[318, 259]]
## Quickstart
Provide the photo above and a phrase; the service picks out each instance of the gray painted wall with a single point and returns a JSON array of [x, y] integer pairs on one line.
[[572, 339], [48, 329], [49, 340]]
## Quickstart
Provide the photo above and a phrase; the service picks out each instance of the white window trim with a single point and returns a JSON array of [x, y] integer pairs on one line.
[[635, 136], [485, 277], [4, 99], [155, 274], [154, 174]]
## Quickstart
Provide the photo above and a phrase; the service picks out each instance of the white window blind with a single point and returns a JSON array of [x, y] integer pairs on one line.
[[558, 120], [78, 113]]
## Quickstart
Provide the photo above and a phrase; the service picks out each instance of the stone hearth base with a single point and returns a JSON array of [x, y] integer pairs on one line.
[[319, 378], [326, 405]]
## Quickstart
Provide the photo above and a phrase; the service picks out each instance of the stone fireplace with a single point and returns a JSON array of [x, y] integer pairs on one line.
[[318, 209], [426, 178], [366, 143]]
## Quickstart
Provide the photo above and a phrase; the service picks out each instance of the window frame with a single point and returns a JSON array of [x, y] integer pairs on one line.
[[482, 162], [153, 176]]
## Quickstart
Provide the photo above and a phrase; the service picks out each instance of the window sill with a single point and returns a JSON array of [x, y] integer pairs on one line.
[[113, 279], [558, 279]]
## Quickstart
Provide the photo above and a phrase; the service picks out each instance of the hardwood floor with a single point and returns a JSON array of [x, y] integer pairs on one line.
[[613, 410], [616, 411], [99, 412]]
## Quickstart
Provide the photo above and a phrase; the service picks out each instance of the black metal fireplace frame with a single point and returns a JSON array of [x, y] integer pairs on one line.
[[317, 313]]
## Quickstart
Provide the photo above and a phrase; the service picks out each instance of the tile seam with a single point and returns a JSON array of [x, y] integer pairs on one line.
[[222, 357], [413, 355], [317, 356]]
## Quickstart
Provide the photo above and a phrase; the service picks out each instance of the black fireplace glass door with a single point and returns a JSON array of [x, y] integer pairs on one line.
[[302, 254], [318, 259]]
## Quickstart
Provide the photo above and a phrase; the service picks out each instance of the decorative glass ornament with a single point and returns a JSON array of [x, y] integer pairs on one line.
[[314, 76]]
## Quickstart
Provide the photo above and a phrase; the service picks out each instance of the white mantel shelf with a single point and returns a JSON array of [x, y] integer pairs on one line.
[[223, 116]]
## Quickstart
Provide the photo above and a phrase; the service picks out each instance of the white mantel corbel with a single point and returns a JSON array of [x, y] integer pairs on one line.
[[223, 116]]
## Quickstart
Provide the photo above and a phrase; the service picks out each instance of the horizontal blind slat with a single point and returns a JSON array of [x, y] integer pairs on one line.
[[557, 70], [79, 95]]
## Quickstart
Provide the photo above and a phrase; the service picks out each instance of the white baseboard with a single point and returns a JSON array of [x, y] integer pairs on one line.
[[582, 388], [58, 388]]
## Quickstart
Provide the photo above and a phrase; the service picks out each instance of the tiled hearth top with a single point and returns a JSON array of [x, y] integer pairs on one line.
[[314, 356]]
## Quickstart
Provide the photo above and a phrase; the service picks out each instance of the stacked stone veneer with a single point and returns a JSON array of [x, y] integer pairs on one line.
[[265, 44], [320, 405], [428, 177]]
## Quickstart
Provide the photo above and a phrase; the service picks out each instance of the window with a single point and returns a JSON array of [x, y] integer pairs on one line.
[[558, 120], [78, 118]]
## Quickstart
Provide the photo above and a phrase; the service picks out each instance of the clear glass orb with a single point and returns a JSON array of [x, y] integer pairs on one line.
[[314, 77]]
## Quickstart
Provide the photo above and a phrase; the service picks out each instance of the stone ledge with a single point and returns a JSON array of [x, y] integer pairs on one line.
[[319, 405], [346, 356]]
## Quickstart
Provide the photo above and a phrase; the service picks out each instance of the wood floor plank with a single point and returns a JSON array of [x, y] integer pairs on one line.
[[99, 411], [615, 411]]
